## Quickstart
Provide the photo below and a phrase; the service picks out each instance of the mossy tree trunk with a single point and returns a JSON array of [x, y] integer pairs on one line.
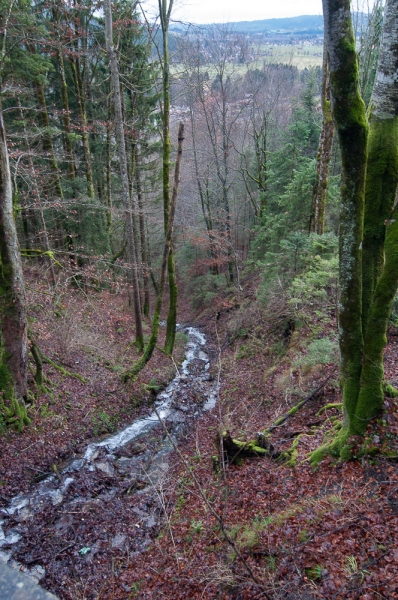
[[165, 8], [13, 322], [368, 220], [145, 271], [380, 243], [140, 364], [351, 125], [317, 223]]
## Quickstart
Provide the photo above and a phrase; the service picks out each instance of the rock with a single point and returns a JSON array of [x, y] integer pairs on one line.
[[11, 538], [37, 572], [119, 541], [106, 468], [5, 556], [15, 585], [131, 449]]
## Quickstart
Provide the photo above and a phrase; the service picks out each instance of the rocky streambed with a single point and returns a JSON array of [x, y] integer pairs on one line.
[[79, 526]]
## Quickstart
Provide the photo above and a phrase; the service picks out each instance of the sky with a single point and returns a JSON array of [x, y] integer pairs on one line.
[[217, 11], [222, 11]]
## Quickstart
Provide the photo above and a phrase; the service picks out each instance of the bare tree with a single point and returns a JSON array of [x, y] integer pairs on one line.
[[123, 172]]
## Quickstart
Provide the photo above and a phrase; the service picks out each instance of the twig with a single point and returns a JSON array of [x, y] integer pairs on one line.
[[218, 518], [222, 462], [297, 407], [160, 496]]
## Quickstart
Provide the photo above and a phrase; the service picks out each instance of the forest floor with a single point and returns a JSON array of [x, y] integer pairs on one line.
[[263, 528]]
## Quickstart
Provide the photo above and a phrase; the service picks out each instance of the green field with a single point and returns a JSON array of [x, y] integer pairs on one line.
[[300, 56]]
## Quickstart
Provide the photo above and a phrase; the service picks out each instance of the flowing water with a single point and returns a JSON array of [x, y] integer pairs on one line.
[[124, 456]]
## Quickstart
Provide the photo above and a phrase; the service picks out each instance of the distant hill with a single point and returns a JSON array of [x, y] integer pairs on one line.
[[291, 24], [305, 23]]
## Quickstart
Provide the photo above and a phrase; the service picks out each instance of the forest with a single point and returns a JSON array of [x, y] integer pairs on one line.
[[198, 303]]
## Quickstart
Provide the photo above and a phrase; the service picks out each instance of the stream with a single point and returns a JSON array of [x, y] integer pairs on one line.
[[108, 501]]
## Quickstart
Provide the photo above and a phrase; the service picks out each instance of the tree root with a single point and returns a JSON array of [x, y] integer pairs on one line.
[[328, 407], [38, 377], [64, 372], [291, 454], [16, 414]]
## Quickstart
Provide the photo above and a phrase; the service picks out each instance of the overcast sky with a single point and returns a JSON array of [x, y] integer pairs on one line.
[[215, 11], [218, 11]]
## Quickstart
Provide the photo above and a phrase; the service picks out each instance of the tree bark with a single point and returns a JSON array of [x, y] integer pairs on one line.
[[13, 333], [123, 171], [66, 117], [380, 244], [365, 302], [145, 272], [317, 223], [47, 141], [37, 198], [204, 200], [349, 116], [165, 9], [139, 365], [79, 88]]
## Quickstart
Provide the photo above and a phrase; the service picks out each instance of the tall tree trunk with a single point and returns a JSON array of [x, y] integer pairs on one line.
[[47, 141], [351, 125], [37, 199], [79, 88], [108, 172], [145, 273], [66, 116], [123, 171], [317, 223], [224, 179], [13, 322], [165, 9], [363, 332], [380, 243], [203, 195], [140, 364]]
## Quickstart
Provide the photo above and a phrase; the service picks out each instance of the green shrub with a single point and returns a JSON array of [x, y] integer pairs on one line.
[[320, 352]]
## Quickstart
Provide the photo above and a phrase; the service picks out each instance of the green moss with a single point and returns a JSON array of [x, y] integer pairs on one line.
[[389, 390], [337, 448], [250, 447], [15, 414], [291, 454], [381, 182], [5, 375], [346, 452], [328, 407]]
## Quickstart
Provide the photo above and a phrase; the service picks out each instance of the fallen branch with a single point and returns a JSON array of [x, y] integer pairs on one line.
[[294, 409], [234, 449]]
